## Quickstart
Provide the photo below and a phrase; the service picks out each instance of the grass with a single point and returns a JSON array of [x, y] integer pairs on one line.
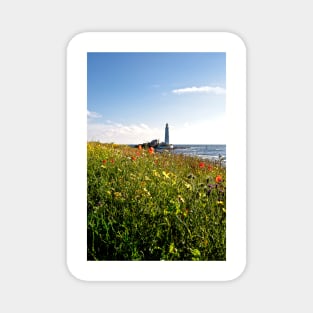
[[154, 206]]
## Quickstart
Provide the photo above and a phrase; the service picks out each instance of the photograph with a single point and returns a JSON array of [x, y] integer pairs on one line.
[[156, 156]]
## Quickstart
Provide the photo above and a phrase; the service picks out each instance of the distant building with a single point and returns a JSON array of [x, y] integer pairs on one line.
[[167, 135], [156, 144]]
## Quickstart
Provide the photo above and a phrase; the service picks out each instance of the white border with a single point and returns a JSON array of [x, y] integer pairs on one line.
[[77, 163]]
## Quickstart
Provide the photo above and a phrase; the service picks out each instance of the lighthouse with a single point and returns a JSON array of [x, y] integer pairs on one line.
[[167, 135]]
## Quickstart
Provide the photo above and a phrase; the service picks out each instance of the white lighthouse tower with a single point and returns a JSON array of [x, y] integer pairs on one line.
[[167, 135]]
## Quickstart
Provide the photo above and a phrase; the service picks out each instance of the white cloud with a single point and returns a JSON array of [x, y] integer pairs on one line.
[[93, 114], [123, 134], [144, 126], [202, 89], [204, 132]]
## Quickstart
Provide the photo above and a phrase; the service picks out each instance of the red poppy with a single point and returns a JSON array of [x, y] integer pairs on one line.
[[210, 167], [140, 147], [133, 158], [218, 178], [151, 150], [104, 161], [112, 161], [201, 165]]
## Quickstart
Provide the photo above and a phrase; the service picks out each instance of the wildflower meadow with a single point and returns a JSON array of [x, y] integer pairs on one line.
[[145, 205]]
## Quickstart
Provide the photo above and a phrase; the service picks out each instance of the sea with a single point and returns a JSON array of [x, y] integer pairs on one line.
[[212, 152], [204, 151]]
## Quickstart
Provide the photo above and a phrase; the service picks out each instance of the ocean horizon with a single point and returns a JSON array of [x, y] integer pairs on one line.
[[205, 151]]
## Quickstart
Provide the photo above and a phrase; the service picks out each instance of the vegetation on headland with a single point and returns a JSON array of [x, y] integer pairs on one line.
[[143, 205]]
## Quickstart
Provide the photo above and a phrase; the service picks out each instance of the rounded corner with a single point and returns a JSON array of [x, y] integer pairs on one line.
[[73, 274], [239, 272], [237, 39], [75, 39]]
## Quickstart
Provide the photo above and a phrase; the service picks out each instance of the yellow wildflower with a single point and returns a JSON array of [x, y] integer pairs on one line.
[[166, 175], [181, 199], [188, 186], [117, 194], [155, 173], [147, 192]]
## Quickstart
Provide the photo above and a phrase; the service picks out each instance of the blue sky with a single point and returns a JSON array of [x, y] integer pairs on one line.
[[131, 96]]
